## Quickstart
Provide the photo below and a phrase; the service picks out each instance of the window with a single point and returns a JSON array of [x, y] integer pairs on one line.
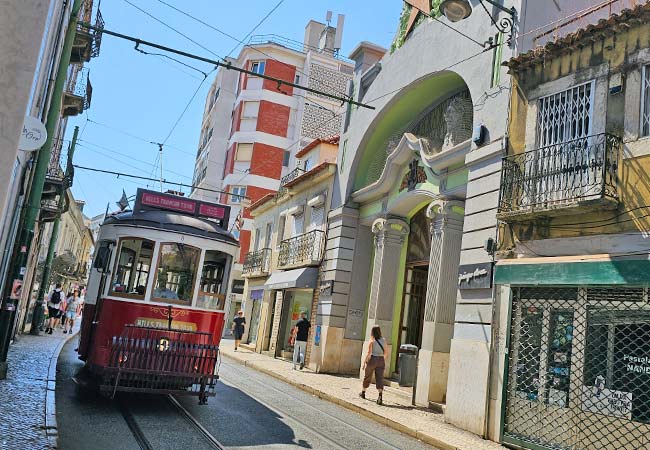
[[132, 267], [250, 109], [238, 193], [258, 67], [645, 101], [281, 226], [244, 152], [343, 152], [177, 265], [298, 225], [297, 79], [308, 164], [102, 256], [267, 236], [496, 60], [285, 158], [317, 217], [258, 237], [214, 280], [565, 116]]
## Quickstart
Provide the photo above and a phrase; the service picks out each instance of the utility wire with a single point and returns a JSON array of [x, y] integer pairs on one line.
[[256, 26], [157, 180], [242, 42], [173, 29], [455, 30]]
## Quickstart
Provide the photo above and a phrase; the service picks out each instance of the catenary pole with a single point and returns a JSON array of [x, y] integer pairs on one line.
[[18, 268], [37, 317]]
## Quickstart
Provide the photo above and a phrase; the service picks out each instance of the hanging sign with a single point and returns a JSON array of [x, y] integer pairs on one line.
[[33, 135], [608, 402], [475, 276]]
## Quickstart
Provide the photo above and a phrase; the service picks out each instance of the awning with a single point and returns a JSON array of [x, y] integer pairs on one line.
[[575, 271], [304, 278]]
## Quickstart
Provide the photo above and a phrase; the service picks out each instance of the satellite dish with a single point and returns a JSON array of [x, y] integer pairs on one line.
[[33, 135]]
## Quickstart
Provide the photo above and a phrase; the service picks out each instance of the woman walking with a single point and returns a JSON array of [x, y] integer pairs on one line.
[[71, 311], [238, 328], [375, 362]]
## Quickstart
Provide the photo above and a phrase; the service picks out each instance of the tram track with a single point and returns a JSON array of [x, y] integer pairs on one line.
[[257, 379], [147, 442]]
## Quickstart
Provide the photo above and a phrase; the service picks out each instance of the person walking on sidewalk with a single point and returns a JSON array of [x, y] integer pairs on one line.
[[53, 311], [238, 328], [301, 334], [71, 311], [375, 362]]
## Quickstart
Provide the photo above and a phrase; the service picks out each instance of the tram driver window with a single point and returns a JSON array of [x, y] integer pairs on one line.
[[132, 268], [214, 280], [177, 266]]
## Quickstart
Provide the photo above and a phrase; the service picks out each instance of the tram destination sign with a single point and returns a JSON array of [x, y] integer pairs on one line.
[[148, 200]]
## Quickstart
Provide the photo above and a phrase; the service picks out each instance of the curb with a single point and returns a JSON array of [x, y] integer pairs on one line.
[[351, 406], [51, 430]]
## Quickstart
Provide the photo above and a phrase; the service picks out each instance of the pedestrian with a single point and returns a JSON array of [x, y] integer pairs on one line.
[[301, 334], [53, 300], [238, 328], [71, 311], [62, 306], [375, 362]]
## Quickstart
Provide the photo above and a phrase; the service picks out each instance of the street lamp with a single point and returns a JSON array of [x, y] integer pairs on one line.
[[457, 10]]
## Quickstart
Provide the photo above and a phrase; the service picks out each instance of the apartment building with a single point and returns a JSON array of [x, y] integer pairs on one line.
[[253, 127]]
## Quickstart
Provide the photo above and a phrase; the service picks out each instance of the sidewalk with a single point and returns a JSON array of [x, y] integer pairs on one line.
[[397, 412], [27, 409]]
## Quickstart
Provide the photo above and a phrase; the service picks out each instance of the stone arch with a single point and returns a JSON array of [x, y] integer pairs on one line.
[[402, 114]]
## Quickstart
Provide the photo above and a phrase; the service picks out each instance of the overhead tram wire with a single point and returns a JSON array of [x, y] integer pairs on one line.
[[257, 26], [226, 65], [157, 180], [241, 41]]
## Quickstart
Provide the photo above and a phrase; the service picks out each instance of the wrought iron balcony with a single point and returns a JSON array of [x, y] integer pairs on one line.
[[87, 41], [565, 178], [302, 250], [257, 263], [295, 173], [78, 91]]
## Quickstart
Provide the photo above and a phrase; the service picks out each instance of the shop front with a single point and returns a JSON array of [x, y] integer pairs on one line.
[[577, 370], [292, 294], [256, 297]]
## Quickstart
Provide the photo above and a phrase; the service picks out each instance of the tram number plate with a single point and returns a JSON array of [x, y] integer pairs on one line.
[[163, 344]]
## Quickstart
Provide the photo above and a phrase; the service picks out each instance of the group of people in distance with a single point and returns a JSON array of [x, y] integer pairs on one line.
[[63, 310], [374, 361]]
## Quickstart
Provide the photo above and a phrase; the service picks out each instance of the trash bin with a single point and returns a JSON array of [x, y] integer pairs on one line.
[[407, 363]]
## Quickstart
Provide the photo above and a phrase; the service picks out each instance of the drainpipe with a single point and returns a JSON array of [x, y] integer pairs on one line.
[[45, 277], [32, 206]]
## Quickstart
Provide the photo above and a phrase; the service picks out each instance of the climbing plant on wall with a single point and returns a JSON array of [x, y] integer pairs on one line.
[[401, 36]]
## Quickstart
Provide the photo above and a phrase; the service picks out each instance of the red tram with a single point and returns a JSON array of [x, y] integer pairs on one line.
[[154, 310]]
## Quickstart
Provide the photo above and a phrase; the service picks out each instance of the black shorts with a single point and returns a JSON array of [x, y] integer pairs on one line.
[[55, 313]]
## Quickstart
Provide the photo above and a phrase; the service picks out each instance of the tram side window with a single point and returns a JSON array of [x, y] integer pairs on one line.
[[214, 280], [133, 267], [176, 272]]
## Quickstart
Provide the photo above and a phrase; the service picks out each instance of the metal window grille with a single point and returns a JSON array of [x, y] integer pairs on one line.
[[645, 101], [578, 369], [565, 116]]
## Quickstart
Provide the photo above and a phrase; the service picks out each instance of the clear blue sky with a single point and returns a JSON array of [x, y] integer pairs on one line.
[[144, 95]]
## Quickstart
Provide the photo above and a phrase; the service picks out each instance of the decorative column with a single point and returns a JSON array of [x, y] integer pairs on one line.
[[440, 307], [390, 235]]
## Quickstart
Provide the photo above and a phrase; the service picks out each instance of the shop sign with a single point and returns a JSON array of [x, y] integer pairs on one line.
[[317, 335], [16, 289], [637, 364], [257, 294], [608, 402], [237, 286], [33, 136], [326, 288], [475, 276]]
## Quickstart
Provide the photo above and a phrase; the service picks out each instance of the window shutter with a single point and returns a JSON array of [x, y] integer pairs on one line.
[[317, 216]]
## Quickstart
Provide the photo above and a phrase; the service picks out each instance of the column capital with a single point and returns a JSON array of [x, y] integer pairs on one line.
[[443, 207], [391, 229]]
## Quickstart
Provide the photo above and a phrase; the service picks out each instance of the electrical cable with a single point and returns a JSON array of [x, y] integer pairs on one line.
[[242, 42], [256, 26], [428, 14], [164, 181], [174, 29]]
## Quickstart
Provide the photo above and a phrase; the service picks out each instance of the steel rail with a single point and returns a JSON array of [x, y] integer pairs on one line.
[[195, 423], [137, 432], [256, 379]]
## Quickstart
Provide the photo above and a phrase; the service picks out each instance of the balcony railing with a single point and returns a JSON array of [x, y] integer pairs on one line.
[[257, 262], [303, 250], [558, 178], [295, 173], [261, 39], [78, 91]]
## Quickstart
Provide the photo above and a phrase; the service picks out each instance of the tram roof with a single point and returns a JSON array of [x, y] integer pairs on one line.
[[170, 221]]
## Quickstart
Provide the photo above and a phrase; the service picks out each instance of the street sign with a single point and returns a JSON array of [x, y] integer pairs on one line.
[[33, 135]]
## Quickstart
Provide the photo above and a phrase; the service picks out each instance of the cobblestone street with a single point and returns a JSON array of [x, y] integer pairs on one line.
[[24, 408]]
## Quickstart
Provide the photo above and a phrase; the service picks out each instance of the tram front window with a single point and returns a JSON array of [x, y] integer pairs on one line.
[[177, 267], [133, 266], [214, 280]]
